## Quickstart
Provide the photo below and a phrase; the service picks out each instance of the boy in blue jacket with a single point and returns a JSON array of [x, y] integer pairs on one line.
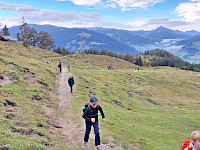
[[71, 82]]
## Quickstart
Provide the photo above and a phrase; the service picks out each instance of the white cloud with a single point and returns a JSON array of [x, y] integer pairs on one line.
[[166, 22], [43, 16], [138, 23], [84, 2], [189, 11], [107, 24], [16, 7], [152, 23], [126, 5], [11, 21], [195, 0]]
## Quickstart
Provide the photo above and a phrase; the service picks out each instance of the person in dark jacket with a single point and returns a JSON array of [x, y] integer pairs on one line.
[[91, 119], [71, 82], [60, 66]]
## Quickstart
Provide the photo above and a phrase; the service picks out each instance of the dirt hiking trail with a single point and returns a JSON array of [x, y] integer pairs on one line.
[[65, 121], [69, 129]]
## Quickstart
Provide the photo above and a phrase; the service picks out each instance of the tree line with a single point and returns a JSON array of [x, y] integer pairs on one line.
[[150, 58], [161, 57]]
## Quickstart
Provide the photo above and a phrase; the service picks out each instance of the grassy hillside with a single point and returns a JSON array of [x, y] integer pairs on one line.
[[146, 109], [191, 52], [27, 84]]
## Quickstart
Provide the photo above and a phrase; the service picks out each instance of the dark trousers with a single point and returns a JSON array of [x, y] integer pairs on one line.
[[60, 69], [71, 86], [96, 132]]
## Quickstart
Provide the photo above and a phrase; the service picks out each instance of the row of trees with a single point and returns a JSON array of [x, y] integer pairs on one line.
[[165, 58], [63, 51], [157, 57]]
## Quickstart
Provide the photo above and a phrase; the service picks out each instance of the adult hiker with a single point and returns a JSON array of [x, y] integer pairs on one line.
[[71, 82], [193, 144], [60, 66], [91, 119], [68, 66]]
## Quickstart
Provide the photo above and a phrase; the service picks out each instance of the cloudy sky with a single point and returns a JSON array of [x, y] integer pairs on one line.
[[182, 15]]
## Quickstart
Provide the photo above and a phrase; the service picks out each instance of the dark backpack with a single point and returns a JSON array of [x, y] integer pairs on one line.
[[84, 107]]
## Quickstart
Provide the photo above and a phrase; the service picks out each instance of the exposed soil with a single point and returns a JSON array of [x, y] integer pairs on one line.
[[72, 133], [4, 80], [64, 121]]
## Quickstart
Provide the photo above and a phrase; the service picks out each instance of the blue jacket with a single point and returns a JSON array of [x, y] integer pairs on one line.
[[71, 81]]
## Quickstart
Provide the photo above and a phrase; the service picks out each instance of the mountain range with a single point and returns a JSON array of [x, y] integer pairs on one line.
[[186, 45]]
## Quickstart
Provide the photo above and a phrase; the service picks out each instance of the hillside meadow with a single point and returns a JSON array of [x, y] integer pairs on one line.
[[145, 109], [150, 109], [28, 78]]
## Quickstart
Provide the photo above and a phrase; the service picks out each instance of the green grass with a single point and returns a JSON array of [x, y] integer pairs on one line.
[[131, 118], [32, 71], [147, 109]]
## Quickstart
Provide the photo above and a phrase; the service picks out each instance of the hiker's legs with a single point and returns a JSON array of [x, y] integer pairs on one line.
[[87, 131], [96, 132], [60, 69], [71, 87]]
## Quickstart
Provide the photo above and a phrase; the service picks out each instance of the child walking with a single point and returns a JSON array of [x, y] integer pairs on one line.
[[91, 119]]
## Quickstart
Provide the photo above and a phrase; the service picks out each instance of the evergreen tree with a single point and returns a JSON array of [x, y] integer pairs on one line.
[[85, 51], [64, 51], [96, 51], [140, 61], [5, 31], [104, 52], [57, 50]]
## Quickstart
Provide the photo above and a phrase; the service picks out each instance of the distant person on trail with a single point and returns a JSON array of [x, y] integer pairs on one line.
[[114, 67], [109, 67], [68, 66], [91, 119], [60, 66], [193, 144], [71, 82]]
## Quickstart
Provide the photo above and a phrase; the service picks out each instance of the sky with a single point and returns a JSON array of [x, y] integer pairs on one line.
[[183, 15]]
